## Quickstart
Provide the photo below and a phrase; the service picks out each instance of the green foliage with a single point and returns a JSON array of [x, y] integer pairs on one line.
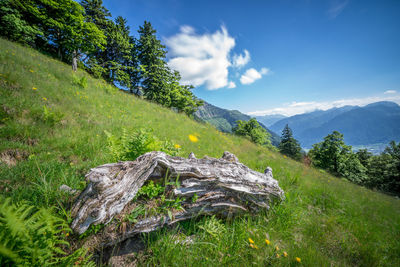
[[81, 82], [384, 170], [129, 146], [34, 237], [92, 230], [213, 227], [336, 157], [195, 198], [166, 205], [51, 117], [375, 171], [150, 190], [13, 25], [53, 25], [253, 130], [288, 145], [159, 83], [132, 217]]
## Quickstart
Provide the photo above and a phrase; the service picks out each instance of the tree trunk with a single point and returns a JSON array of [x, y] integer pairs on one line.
[[206, 186], [74, 60]]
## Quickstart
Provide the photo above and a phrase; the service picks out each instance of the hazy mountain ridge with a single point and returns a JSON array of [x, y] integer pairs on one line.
[[375, 123], [269, 120], [224, 119]]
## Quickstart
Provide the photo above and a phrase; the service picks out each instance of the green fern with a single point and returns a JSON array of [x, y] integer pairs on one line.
[[129, 146], [34, 237]]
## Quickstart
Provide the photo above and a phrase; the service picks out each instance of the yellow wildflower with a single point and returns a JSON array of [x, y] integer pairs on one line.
[[177, 146], [285, 254], [298, 259], [276, 248], [267, 241], [193, 138], [32, 71], [251, 240], [34, 88], [253, 246], [284, 156], [44, 99], [67, 234], [277, 255]]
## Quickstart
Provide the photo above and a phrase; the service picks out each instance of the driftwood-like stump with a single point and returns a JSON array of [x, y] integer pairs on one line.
[[221, 186]]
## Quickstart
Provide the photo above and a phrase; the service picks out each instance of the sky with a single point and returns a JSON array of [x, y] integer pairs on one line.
[[278, 57]]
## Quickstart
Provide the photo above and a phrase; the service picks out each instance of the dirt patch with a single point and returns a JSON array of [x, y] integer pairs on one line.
[[11, 156]]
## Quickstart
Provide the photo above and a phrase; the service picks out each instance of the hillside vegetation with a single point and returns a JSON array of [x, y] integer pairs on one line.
[[52, 131]]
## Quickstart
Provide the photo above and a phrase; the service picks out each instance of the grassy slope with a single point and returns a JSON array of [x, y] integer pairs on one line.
[[324, 220]]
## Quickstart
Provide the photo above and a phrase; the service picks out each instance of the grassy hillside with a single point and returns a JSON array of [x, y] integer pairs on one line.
[[52, 133]]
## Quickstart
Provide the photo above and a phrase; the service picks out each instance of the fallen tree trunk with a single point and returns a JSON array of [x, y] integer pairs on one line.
[[206, 186]]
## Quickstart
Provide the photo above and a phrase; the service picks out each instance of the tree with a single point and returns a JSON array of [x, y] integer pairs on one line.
[[336, 157], [118, 53], [384, 169], [151, 55], [253, 130], [13, 26], [288, 145], [62, 26], [97, 14], [364, 156], [158, 81]]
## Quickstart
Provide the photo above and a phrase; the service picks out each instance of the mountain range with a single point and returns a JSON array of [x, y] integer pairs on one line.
[[268, 120], [372, 124], [224, 119]]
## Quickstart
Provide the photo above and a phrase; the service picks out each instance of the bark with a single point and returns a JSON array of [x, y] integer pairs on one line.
[[207, 186], [74, 60]]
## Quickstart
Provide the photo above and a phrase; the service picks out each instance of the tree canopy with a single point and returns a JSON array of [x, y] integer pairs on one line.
[[288, 145], [253, 130], [84, 34]]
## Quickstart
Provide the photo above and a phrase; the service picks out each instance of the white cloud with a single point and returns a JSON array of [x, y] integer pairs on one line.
[[241, 60], [388, 92], [336, 8], [294, 108], [201, 59], [231, 85], [251, 75]]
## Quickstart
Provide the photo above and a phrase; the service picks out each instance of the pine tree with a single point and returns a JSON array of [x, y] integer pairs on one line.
[[152, 54], [288, 145], [158, 81]]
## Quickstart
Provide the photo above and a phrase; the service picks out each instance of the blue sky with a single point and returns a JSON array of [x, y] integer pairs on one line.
[[288, 57]]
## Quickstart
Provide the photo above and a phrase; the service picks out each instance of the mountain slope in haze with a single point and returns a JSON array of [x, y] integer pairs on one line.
[[375, 123], [225, 120], [324, 220], [269, 120]]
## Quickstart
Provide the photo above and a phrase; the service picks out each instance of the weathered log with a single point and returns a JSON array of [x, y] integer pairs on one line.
[[220, 186]]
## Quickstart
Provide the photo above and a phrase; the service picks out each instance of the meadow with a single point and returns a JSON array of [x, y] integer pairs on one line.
[[52, 131]]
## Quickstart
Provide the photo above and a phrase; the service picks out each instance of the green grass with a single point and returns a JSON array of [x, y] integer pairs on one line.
[[325, 221]]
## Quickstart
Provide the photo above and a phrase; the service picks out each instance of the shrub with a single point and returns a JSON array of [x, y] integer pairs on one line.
[[253, 130], [130, 146], [51, 117], [82, 82]]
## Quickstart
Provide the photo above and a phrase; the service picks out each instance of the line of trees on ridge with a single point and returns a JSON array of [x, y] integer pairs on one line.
[[381, 172]]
